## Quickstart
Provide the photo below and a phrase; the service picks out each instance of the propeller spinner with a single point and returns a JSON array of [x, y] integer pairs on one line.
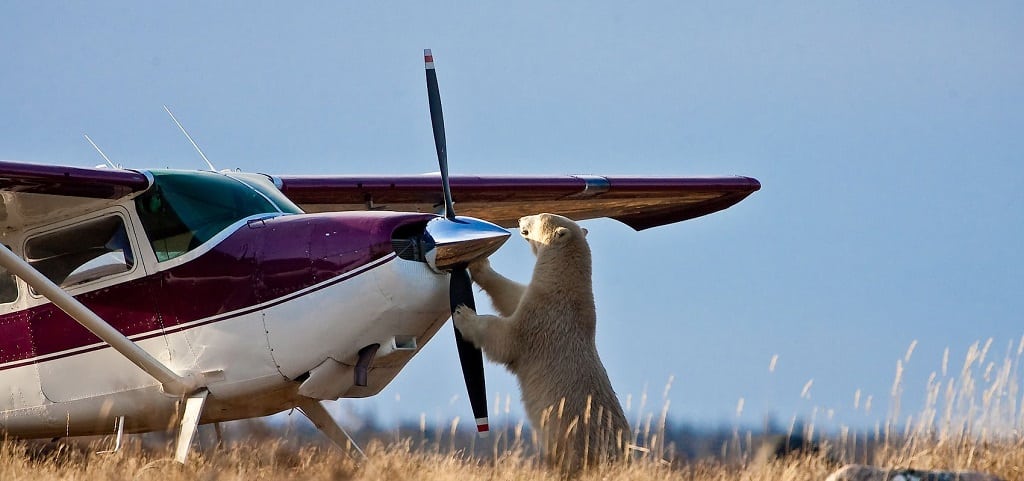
[[486, 236]]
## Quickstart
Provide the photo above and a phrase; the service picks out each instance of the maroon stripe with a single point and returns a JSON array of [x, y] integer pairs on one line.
[[425, 189], [199, 324], [496, 188], [257, 264]]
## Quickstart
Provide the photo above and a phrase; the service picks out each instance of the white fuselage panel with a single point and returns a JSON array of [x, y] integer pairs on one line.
[[249, 358]]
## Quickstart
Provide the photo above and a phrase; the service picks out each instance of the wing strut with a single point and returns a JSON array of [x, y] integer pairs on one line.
[[189, 423], [173, 383], [317, 413]]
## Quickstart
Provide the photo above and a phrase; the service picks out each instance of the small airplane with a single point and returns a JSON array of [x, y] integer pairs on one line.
[[149, 300]]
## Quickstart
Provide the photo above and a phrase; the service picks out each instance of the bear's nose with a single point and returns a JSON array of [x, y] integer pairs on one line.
[[524, 232]]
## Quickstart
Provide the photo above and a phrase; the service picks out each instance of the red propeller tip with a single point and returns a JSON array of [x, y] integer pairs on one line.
[[428, 58], [482, 426]]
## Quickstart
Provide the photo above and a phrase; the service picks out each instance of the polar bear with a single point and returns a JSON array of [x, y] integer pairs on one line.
[[545, 336]]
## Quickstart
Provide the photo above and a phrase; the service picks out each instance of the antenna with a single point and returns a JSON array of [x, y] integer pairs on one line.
[[189, 137], [111, 164]]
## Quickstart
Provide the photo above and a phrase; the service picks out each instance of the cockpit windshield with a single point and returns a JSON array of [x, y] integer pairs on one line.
[[183, 210]]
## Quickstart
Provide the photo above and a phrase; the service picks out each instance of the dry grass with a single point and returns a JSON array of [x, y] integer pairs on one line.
[[973, 420], [399, 461]]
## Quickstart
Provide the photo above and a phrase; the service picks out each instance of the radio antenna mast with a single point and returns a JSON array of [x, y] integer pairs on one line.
[[111, 164], [189, 137]]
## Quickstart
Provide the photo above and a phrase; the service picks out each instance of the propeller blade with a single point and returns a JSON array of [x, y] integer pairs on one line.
[[460, 289], [437, 122], [460, 292]]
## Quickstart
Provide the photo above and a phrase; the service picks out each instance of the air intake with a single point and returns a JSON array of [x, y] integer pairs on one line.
[[410, 242]]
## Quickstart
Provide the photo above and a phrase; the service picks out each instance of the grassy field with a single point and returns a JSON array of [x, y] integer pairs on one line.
[[972, 420], [403, 461]]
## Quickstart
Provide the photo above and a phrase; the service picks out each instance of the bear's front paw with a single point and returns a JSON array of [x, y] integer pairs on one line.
[[463, 318], [462, 314], [479, 267]]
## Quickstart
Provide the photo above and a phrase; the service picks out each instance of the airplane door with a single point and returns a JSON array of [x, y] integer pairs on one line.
[[93, 259], [19, 378]]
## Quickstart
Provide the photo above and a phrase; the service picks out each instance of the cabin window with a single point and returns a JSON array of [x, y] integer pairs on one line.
[[184, 210], [83, 252]]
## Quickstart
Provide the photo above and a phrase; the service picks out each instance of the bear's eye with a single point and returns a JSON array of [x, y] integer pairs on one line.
[[524, 232]]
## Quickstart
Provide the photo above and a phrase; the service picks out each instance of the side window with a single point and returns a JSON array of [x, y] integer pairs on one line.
[[8, 287], [83, 252]]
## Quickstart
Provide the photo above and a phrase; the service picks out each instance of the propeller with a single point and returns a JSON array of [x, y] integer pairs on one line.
[[460, 289]]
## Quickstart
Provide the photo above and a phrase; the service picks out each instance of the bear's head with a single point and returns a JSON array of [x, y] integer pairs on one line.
[[549, 230]]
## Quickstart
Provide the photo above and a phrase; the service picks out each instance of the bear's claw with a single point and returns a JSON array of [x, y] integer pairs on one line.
[[461, 318]]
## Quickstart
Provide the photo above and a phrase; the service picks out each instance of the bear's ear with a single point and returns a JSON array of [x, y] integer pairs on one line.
[[561, 233], [585, 231]]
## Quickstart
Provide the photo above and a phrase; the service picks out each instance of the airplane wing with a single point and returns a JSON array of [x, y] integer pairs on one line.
[[639, 202], [31, 194]]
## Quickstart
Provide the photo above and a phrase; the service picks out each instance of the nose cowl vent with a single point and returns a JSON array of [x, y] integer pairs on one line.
[[410, 249], [411, 242]]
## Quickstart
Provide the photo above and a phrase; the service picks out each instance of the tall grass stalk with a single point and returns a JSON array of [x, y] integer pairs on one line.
[[971, 419]]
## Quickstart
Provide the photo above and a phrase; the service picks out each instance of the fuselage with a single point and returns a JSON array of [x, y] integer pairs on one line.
[[211, 274]]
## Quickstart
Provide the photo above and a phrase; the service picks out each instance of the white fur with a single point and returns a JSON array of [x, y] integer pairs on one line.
[[545, 335]]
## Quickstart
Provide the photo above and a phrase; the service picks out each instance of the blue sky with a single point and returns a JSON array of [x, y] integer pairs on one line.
[[887, 136]]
